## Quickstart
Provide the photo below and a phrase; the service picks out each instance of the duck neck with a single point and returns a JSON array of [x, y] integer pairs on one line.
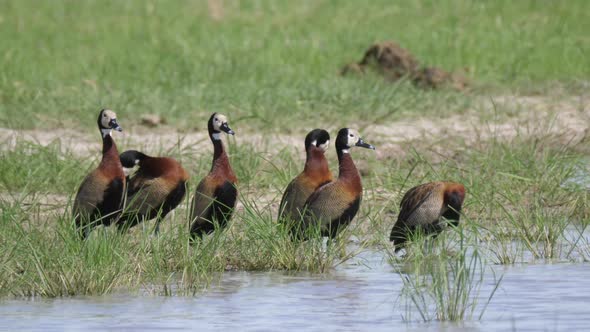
[[110, 154], [316, 163], [346, 169], [220, 158]]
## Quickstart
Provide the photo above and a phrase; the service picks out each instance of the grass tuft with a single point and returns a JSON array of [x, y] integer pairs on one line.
[[446, 284]]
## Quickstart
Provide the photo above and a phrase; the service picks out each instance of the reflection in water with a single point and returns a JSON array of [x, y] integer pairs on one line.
[[357, 296]]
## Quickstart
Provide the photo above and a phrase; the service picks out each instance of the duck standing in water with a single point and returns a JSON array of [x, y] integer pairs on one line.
[[423, 207]]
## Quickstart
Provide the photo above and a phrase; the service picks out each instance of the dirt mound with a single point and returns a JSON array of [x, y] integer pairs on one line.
[[434, 78], [394, 62], [152, 120]]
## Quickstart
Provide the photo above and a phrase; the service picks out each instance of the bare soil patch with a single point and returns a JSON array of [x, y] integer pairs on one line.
[[567, 118]]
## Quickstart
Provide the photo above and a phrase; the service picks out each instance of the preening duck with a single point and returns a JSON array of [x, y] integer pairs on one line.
[[156, 188], [423, 207]]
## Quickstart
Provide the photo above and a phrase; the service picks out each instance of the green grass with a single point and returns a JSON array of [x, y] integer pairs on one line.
[[446, 283], [33, 168], [64, 60], [520, 199], [48, 259]]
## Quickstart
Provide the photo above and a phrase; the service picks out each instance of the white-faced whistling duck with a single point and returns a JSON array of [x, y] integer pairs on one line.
[[100, 196], [153, 191], [216, 194], [315, 174], [335, 204], [422, 208]]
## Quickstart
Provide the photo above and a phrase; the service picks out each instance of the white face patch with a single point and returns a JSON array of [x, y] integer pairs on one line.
[[314, 142], [353, 137], [218, 120], [217, 136], [325, 146], [107, 116]]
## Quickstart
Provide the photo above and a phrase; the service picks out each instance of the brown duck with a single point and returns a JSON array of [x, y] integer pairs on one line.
[[216, 195], [335, 204], [100, 195], [423, 207], [157, 188], [315, 174]]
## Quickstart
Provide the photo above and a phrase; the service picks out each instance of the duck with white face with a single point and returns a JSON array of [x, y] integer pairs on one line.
[[334, 205], [218, 123], [315, 174], [216, 195], [107, 122], [348, 138], [100, 196]]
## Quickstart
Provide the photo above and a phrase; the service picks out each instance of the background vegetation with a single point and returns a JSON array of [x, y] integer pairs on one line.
[[256, 59]]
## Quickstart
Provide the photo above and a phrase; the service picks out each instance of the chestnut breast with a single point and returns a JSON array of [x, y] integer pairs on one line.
[[315, 174]]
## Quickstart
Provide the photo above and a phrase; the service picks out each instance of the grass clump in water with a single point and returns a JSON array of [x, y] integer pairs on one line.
[[445, 284]]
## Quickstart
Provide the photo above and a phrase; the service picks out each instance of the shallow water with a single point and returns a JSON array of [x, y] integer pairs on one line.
[[361, 295]]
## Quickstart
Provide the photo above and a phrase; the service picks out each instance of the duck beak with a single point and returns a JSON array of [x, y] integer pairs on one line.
[[114, 125], [226, 129], [362, 144]]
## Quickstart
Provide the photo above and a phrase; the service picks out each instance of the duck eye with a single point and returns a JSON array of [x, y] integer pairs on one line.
[[216, 119], [351, 135]]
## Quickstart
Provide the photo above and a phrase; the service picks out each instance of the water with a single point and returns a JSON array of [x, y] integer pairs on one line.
[[361, 295]]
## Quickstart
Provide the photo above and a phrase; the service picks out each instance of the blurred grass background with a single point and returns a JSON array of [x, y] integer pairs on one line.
[[61, 61]]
